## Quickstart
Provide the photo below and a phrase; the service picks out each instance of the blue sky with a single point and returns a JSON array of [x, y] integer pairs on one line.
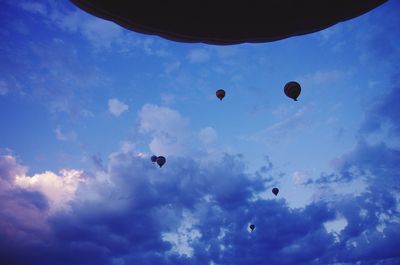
[[84, 103]]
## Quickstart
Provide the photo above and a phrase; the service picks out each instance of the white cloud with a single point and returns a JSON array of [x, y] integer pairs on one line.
[[299, 177], [116, 107], [336, 226], [63, 136], [168, 129], [198, 56], [208, 135], [185, 235], [58, 189]]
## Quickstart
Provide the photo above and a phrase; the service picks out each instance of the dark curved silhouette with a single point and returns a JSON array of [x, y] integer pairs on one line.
[[227, 21]]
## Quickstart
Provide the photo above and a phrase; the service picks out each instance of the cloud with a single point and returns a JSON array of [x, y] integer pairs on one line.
[[275, 131], [100, 33], [322, 78], [62, 136], [59, 190], [3, 88], [208, 135], [9, 168], [299, 177], [116, 107], [22, 213], [167, 128], [383, 112], [167, 98], [34, 7], [198, 56], [171, 67], [55, 75], [194, 213]]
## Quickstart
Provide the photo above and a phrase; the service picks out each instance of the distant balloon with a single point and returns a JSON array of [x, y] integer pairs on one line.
[[220, 93], [275, 191], [292, 90], [153, 158], [161, 161], [252, 227]]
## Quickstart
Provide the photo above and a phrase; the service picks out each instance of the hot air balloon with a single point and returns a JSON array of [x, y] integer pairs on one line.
[[275, 191], [220, 93], [161, 161], [292, 90], [225, 21], [153, 158], [252, 227]]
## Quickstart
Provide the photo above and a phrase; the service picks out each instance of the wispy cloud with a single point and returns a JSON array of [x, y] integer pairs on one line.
[[383, 112], [3, 88], [199, 56], [34, 7], [280, 128], [322, 78], [65, 136]]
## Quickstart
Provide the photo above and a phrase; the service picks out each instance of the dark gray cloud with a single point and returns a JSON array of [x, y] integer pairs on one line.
[[123, 220]]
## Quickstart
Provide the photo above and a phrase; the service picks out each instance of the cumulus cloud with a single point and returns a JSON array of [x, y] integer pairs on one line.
[[59, 190], [22, 212], [208, 135], [194, 213], [116, 107], [167, 128]]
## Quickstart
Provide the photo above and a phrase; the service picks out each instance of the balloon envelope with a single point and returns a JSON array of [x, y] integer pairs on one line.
[[161, 161], [225, 21], [220, 93], [153, 158], [252, 227], [275, 191], [292, 90]]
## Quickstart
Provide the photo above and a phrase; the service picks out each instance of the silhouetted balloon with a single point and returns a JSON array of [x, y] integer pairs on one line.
[[220, 93], [292, 90], [161, 161], [252, 227], [275, 191], [153, 158], [226, 21]]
